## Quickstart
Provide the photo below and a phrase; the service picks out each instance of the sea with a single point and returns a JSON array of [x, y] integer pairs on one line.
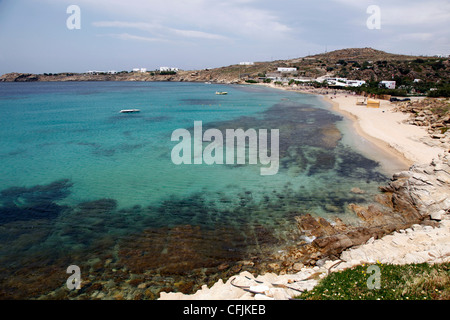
[[84, 185]]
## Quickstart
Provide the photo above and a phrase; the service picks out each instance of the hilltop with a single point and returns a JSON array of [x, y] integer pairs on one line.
[[358, 63]]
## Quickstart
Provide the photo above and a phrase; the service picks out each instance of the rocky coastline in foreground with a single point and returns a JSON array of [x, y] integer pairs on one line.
[[408, 222], [415, 229]]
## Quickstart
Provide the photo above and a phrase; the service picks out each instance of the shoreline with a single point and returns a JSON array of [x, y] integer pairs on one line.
[[425, 185], [409, 144], [379, 143]]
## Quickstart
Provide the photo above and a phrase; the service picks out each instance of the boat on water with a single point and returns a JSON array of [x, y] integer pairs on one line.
[[221, 92], [129, 110]]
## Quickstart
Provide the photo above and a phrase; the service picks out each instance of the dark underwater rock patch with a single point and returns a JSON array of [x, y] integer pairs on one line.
[[37, 202], [100, 206], [199, 102]]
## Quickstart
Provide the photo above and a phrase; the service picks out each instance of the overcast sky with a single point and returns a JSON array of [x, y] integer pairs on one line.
[[193, 34]]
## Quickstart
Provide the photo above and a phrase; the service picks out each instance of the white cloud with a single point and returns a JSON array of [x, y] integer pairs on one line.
[[124, 24], [197, 34], [127, 36], [208, 19], [158, 29]]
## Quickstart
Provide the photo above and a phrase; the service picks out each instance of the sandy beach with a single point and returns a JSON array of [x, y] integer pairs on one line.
[[412, 145], [386, 128], [382, 126]]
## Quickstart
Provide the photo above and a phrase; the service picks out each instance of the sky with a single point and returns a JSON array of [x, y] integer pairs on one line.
[[197, 34]]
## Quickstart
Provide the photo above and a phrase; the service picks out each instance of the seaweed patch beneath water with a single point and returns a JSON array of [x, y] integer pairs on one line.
[[200, 237], [37, 202], [309, 142], [99, 150], [200, 102]]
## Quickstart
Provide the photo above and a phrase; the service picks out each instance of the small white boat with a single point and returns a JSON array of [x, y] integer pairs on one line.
[[221, 92], [129, 110]]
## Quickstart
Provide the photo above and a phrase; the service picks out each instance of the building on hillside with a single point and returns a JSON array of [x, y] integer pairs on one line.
[[166, 69], [246, 63], [143, 70], [340, 82], [387, 84], [344, 82], [283, 69], [355, 83]]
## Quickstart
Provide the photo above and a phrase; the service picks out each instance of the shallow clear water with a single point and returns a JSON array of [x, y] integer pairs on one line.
[[80, 182]]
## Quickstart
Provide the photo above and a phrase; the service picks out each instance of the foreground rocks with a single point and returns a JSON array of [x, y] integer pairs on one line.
[[418, 244], [420, 195], [410, 223], [424, 189]]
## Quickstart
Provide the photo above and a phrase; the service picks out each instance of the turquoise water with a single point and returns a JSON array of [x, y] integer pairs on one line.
[[80, 182]]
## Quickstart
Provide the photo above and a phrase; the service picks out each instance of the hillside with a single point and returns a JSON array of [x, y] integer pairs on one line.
[[359, 63]]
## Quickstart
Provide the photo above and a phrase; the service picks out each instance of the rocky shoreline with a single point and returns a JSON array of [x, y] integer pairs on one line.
[[408, 222], [415, 229]]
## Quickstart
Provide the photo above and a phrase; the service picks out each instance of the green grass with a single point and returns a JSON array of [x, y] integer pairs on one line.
[[406, 282]]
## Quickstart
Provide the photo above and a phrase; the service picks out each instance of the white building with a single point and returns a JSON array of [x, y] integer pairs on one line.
[[282, 69], [246, 63], [94, 72], [388, 84], [168, 69], [143, 70], [344, 82], [355, 83]]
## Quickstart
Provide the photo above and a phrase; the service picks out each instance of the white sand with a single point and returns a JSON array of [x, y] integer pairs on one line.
[[385, 128]]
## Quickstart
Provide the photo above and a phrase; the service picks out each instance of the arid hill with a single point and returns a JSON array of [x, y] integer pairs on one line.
[[358, 63]]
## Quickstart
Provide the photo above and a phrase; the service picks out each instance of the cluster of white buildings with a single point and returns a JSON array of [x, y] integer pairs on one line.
[[163, 69], [99, 72], [142, 70], [344, 82], [339, 82]]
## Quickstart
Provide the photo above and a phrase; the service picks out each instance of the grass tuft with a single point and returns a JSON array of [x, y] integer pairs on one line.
[[398, 282]]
